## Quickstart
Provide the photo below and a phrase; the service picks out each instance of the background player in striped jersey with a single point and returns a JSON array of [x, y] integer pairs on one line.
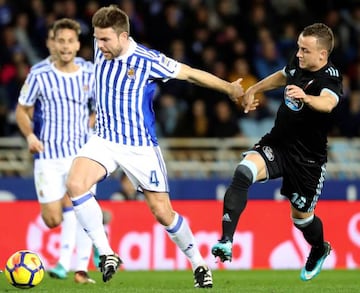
[[53, 114], [126, 74], [68, 229], [50, 45], [296, 147]]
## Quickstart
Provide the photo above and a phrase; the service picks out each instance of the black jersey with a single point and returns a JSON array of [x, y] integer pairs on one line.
[[300, 129]]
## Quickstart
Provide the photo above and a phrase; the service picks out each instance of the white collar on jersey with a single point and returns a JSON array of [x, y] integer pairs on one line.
[[63, 73], [130, 50]]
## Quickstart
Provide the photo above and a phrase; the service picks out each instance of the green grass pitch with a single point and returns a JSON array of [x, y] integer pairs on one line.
[[225, 281]]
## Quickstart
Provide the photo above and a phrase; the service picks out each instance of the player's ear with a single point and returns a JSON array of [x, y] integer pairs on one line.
[[124, 36], [78, 46], [323, 54]]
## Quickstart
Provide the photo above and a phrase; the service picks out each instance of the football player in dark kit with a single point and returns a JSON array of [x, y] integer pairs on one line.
[[296, 147]]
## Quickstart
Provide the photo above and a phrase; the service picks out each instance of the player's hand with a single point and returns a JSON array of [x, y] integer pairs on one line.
[[34, 144], [295, 92], [249, 102], [236, 91]]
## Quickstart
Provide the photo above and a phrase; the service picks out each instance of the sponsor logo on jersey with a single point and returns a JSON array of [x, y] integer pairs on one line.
[[292, 103], [268, 153], [169, 63]]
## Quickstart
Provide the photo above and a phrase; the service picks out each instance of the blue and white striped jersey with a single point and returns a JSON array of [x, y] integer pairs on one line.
[[62, 102], [125, 88]]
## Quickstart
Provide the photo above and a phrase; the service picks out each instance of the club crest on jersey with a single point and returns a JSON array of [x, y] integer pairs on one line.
[[131, 73], [86, 88], [268, 153], [292, 103]]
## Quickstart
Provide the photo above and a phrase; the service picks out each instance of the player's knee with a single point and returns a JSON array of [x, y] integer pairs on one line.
[[244, 175], [303, 223], [52, 221], [236, 194], [75, 187]]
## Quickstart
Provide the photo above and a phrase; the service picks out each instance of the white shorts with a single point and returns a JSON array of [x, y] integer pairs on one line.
[[50, 178], [144, 165]]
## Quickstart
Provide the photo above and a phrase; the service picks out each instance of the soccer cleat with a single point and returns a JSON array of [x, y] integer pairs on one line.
[[315, 262], [203, 277], [223, 250], [108, 265], [58, 272], [82, 277]]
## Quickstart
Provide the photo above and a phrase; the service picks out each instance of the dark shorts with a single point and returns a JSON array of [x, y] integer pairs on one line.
[[302, 179]]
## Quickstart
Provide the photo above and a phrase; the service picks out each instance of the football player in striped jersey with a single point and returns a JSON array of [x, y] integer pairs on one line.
[[54, 113], [126, 74]]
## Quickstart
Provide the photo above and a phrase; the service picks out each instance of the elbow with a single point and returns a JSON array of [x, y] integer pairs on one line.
[[329, 110], [330, 107]]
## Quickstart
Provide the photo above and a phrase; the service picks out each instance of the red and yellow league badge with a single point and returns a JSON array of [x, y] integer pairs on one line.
[[131, 73], [24, 89]]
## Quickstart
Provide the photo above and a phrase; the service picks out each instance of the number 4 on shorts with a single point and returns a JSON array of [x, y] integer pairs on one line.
[[153, 178]]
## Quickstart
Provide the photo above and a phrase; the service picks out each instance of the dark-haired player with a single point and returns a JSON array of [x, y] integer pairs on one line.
[[126, 74]]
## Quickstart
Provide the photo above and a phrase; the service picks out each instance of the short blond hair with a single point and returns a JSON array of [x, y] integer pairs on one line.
[[322, 33]]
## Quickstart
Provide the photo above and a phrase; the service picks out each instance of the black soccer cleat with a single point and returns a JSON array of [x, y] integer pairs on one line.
[[203, 277], [315, 262], [108, 265]]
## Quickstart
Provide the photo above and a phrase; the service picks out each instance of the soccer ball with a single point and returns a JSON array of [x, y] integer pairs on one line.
[[24, 269]]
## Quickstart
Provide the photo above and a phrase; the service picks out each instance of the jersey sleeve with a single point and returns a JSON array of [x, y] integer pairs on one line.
[[332, 82], [29, 91], [164, 67]]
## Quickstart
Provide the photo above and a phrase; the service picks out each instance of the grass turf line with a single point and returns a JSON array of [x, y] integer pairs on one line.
[[254, 281]]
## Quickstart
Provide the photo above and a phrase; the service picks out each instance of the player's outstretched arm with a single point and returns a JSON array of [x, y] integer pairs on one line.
[[273, 81], [205, 79]]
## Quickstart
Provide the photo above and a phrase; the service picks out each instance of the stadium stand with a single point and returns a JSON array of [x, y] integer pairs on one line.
[[196, 157]]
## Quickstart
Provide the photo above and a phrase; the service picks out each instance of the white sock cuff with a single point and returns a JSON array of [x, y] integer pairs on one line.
[[176, 224], [303, 222], [78, 200]]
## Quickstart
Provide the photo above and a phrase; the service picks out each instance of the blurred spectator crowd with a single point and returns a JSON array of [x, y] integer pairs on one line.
[[231, 39]]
